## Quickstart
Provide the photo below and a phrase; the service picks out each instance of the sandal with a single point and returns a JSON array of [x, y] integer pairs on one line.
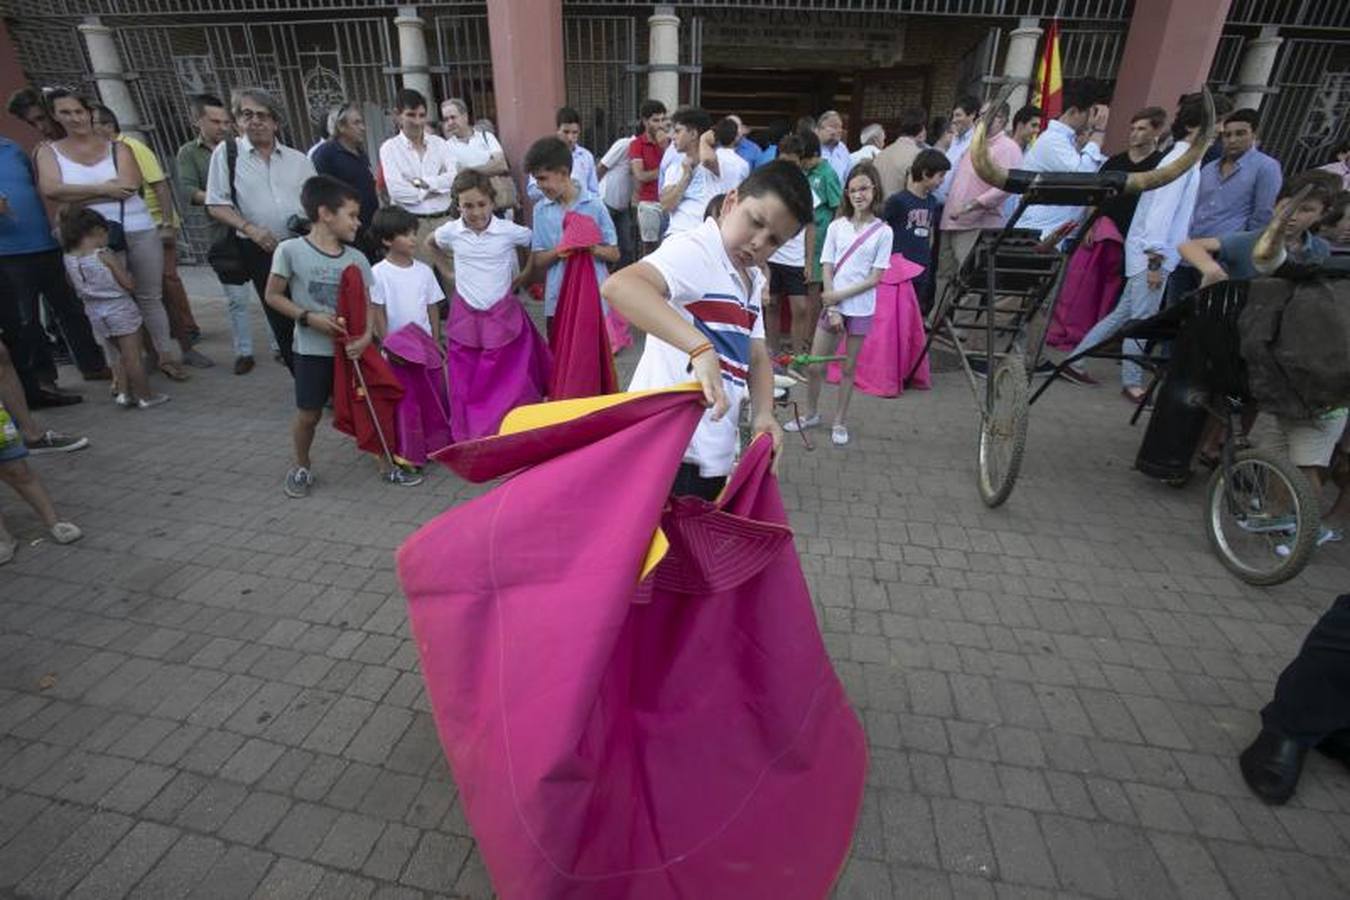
[[174, 372]]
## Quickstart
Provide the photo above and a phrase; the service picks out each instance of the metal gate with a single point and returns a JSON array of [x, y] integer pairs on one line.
[[1091, 53], [600, 71], [1310, 110], [309, 66], [465, 55]]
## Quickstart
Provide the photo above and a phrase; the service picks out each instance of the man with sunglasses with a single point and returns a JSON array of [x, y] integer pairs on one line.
[[264, 206]]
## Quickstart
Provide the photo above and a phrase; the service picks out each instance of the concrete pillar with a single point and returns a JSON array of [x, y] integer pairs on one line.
[[1019, 63], [1258, 61], [112, 83], [663, 56], [526, 37], [1168, 52], [412, 56]]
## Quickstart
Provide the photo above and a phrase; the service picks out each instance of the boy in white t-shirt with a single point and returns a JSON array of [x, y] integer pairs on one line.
[[689, 178], [732, 169], [697, 297], [406, 288]]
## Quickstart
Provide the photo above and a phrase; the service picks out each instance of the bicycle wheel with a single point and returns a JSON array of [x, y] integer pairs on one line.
[[1261, 517], [1003, 431]]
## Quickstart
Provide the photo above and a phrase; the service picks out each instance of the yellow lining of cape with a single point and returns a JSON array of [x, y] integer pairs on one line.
[[542, 415]]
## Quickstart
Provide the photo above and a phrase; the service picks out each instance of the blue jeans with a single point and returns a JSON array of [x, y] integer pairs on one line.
[[239, 297], [1137, 301]]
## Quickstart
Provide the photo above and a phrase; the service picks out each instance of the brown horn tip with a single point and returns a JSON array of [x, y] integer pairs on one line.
[[990, 172], [1138, 182]]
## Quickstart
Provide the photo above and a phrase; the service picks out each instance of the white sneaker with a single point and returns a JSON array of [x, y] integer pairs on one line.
[[1325, 536], [66, 532], [154, 400], [794, 424], [124, 400], [839, 435]]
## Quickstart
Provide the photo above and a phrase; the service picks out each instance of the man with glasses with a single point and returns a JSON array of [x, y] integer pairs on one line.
[[263, 204]]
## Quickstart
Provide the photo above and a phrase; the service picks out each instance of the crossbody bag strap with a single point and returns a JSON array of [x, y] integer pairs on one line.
[[231, 166], [857, 242], [121, 204]]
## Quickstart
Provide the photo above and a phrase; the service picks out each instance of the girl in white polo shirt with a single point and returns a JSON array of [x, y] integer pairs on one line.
[[856, 252]]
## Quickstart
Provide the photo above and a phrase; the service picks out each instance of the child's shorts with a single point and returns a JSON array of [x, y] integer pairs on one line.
[[12, 447], [113, 318], [784, 279], [651, 221], [1305, 442], [858, 326], [313, 381]]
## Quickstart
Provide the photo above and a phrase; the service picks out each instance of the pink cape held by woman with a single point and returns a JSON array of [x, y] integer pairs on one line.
[[632, 691]]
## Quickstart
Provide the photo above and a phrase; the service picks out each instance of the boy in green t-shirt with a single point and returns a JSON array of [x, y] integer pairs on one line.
[[826, 192]]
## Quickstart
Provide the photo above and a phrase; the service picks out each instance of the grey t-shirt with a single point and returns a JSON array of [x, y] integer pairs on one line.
[[313, 277]]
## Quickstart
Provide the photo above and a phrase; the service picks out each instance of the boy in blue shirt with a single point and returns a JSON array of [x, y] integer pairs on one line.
[[549, 162], [911, 213]]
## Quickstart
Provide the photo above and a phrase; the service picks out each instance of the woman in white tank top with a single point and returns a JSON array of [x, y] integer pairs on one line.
[[83, 169]]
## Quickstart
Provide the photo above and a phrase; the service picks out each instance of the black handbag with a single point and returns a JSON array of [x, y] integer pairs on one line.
[[226, 253]]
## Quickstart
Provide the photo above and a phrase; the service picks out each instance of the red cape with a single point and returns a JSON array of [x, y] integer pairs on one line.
[[624, 725], [583, 363], [351, 412]]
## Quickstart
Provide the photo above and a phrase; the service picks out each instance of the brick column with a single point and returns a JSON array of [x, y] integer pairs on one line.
[[527, 74], [1168, 52]]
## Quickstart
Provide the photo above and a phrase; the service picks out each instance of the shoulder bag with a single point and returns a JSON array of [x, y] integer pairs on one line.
[[226, 254]]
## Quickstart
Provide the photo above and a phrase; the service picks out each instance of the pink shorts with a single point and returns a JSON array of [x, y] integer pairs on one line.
[[858, 326], [113, 318]]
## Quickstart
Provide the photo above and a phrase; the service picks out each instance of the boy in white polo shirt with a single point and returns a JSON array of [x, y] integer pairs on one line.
[[697, 297], [690, 177]]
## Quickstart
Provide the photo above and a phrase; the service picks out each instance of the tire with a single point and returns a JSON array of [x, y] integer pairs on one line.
[[1003, 432], [1261, 479]]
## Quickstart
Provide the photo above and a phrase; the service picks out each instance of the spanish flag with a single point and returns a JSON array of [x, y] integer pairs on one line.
[[1050, 77]]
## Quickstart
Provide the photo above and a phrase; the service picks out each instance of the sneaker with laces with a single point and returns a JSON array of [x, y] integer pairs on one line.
[[124, 400], [839, 435], [298, 482], [795, 424], [1325, 536], [402, 477], [56, 442], [153, 400], [66, 532]]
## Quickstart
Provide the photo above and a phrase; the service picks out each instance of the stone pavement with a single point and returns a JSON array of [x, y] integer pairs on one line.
[[214, 694]]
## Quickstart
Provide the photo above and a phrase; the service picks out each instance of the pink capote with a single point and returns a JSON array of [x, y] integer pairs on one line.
[[896, 340], [422, 419], [497, 360], [682, 738], [583, 361], [1091, 286]]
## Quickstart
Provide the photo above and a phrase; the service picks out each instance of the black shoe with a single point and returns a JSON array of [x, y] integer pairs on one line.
[[979, 365], [47, 399], [1271, 766], [1337, 747], [243, 365]]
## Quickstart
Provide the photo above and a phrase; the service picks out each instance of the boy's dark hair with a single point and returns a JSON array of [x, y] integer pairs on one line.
[[1156, 116], [548, 154], [1082, 94], [810, 144], [1323, 186], [968, 104], [726, 132], [24, 99], [99, 111], [566, 116], [651, 108], [1025, 115], [409, 99], [714, 208], [937, 127], [913, 121], [784, 181], [1337, 209], [929, 162], [198, 103], [78, 221], [472, 180], [1341, 146], [391, 221], [1247, 115], [1190, 114], [869, 171], [805, 123], [791, 144], [691, 117], [325, 192]]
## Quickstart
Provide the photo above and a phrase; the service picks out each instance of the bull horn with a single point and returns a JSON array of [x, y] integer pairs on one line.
[[1268, 252], [1138, 182], [990, 172]]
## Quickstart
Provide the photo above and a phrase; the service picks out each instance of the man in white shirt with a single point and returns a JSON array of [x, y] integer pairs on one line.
[[830, 130], [731, 166], [476, 149], [1159, 227], [617, 191], [1057, 150], [583, 161], [873, 139], [689, 178], [964, 114], [418, 170]]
